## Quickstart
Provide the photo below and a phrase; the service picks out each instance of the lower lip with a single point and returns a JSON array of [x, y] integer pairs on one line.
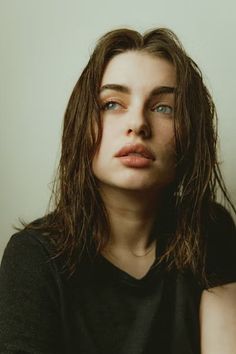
[[135, 161]]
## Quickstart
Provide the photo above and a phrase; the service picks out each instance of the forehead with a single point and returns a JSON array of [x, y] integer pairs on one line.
[[139, 70]]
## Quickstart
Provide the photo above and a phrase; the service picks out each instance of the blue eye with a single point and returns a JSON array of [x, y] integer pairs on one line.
[[110, 106], [163, 109]]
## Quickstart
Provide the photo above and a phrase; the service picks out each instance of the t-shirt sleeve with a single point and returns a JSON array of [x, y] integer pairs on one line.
[[221, 249], [29, 305]]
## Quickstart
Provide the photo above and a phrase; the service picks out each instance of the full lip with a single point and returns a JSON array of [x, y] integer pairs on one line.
[[135, 148]]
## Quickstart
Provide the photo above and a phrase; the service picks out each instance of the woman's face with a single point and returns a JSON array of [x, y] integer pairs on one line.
[[137, 150]]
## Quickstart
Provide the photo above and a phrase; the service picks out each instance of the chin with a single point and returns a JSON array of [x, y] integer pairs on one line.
[[138, 187], [131, 181]]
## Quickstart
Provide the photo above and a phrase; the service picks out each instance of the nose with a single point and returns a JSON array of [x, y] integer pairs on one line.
[[137, 124]]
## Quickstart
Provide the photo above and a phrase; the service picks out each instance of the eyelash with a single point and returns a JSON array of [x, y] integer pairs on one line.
[[166, 107], [105, 107], [106, 104]]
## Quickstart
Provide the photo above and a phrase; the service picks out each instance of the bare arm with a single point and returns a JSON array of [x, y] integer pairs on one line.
[[218, 320]]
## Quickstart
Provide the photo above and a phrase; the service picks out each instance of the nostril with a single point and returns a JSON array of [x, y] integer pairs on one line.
[[145, 132]]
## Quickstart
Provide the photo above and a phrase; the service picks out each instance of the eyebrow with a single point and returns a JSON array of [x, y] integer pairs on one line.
[[124, 89]]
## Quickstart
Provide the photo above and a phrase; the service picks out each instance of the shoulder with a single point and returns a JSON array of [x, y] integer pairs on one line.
[[30, 295], [28, 239], [220, 218], [220, 247], [218, 302], [28, 267], [28, 251], [220, 230]]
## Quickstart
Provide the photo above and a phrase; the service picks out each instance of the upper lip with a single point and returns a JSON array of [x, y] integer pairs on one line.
[[138, 148]]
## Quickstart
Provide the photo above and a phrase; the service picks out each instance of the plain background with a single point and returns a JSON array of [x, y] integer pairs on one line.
[[44, 46]]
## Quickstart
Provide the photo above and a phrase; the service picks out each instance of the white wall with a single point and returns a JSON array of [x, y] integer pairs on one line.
[[43, 48]]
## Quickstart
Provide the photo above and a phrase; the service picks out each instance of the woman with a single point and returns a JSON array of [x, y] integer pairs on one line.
[[135, 254]]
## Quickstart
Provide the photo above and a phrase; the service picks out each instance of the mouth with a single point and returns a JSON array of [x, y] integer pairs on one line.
[[135, 150], [135, 155]]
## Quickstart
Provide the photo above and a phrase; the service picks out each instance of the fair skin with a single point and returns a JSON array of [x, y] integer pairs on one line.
[[134, 113], [218, 320]]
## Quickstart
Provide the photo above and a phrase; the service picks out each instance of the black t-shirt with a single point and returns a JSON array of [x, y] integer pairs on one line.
[[101, 309]]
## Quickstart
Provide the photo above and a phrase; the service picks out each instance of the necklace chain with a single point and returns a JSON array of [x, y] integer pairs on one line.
[[134, 254]]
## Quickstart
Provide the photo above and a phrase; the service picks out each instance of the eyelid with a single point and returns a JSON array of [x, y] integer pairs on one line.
[[115, 106], [112, 100], [163, 105]]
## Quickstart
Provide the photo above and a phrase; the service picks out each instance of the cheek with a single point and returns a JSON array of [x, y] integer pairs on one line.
[[107, 140], [110, 133], [98, 163], [164, 133]]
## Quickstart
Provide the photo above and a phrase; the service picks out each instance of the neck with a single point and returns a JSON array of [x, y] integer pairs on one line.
[[132, 216]]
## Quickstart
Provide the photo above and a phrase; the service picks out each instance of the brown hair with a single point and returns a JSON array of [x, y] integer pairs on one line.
[[79, 220]]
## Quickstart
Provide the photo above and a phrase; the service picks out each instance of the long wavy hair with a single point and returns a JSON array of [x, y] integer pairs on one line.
[[79, 220]]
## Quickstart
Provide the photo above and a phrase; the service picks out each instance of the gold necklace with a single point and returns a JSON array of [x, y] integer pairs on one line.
[[134, 254]]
